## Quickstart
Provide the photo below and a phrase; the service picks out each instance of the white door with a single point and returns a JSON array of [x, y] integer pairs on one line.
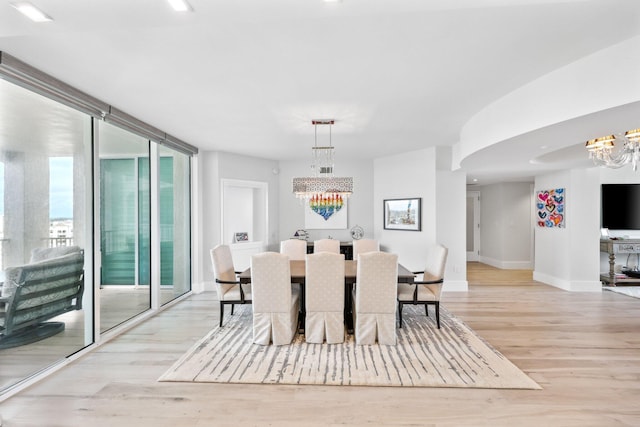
[[473, 225]]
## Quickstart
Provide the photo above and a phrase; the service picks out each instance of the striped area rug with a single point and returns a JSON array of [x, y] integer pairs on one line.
[[424, 356]]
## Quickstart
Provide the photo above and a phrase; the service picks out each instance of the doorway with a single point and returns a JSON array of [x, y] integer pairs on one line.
[[473, 225]]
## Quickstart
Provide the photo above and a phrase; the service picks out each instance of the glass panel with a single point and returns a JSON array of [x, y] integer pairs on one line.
[[124, 226], [45, 226], [175, 225]]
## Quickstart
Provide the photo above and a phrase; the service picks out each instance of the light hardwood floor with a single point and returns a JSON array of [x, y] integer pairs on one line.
[[582, 348]]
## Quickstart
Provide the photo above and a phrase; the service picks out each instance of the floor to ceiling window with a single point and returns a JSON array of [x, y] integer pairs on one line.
[[45, 220], [77, 223], [125, 228]]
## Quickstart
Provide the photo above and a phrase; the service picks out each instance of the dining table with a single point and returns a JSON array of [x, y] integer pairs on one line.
[[298, 273]]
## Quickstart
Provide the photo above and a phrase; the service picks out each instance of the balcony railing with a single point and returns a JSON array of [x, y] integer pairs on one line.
[[54, 242]]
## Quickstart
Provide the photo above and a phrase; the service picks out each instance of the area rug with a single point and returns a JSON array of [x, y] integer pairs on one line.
[[453, 356], [630, 291]]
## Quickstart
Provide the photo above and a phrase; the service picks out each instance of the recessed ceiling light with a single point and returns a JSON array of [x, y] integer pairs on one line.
[[475, 179], [32, 12], [332, 1], [180, 5]]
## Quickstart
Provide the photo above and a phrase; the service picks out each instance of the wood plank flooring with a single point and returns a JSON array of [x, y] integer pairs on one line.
[[582, 348]]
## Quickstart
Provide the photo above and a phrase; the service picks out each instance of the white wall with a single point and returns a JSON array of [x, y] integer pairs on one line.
[[407, 175], [443, 193], [215, 166], [506, 228], [360, 205], [451, 199], [568, 258]]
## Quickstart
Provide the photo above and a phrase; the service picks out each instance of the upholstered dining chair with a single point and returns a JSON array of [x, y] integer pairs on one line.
[[363, 246], [230, 291], [374, 298], [275, 302], [426, 291], [324, 298], [326, 245], [295, 249]]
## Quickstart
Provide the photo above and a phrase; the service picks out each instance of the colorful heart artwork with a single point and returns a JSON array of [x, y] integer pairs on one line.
[[326, 205], [550, 208]]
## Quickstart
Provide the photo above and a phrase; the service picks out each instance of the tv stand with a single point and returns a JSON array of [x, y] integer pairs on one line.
[[622, 247]]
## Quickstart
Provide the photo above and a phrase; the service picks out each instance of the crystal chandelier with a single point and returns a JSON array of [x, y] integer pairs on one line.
[[323, 188], [603, 150]]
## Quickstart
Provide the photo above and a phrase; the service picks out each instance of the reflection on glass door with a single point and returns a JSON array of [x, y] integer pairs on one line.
[[175, 225], [124, 226]]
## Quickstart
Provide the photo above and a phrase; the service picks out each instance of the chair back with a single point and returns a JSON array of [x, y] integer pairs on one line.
[[223, 263], [327, 245], [270, 283], [324, 282], [363, 246], [223, 269], [295, 249], [436, 261], [376, 282]]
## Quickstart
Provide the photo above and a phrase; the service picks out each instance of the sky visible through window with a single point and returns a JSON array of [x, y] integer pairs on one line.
[[61, 187]]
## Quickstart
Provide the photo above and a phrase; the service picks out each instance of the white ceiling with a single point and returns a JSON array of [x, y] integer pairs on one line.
[[248, 76]]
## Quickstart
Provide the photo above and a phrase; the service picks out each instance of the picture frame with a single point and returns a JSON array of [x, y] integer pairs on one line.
[[242, 236], [403, 214]]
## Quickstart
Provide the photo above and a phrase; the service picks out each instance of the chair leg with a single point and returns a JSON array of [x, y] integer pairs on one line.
[[232, 305], [438, 313], [426, 309], [400, 314], [221, 312]]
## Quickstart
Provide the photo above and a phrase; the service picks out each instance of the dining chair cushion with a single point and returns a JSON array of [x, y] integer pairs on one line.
[[425, 292], [324, 298], [326, 245], [374, 298], [363, 246], [295, 249], [223, 270], [275, 301]]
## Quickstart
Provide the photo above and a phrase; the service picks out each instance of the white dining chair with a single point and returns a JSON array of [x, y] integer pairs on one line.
[[374, 298], [295, 249], [324, 298], [363, 246], [326, 245], [229, 289], [275, 302], [426, 291]]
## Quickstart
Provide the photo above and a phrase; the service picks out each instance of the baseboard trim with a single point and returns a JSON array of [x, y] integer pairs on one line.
[[507, 265], [568, 285]]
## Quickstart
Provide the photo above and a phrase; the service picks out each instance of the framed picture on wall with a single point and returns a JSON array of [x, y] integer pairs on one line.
[[403, 214]]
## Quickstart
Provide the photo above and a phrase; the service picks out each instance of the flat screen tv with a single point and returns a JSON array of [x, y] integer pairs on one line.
[[621, 206]]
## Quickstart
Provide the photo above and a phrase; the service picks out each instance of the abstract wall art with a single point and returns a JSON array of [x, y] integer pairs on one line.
[[550, 208], [325, 212]]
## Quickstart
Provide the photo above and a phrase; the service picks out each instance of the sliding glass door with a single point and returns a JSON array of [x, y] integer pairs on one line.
[[77, 222], [125, 227], [175, 225], [45, 229]]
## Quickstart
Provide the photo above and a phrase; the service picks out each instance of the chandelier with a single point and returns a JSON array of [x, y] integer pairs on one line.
[[603, 150], [323, 189]]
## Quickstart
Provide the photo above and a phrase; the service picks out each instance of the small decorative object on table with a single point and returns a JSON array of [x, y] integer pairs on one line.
[[357, 232], [301, 234]]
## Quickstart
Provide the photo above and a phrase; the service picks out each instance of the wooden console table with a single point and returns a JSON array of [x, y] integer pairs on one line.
[[624, 247]]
